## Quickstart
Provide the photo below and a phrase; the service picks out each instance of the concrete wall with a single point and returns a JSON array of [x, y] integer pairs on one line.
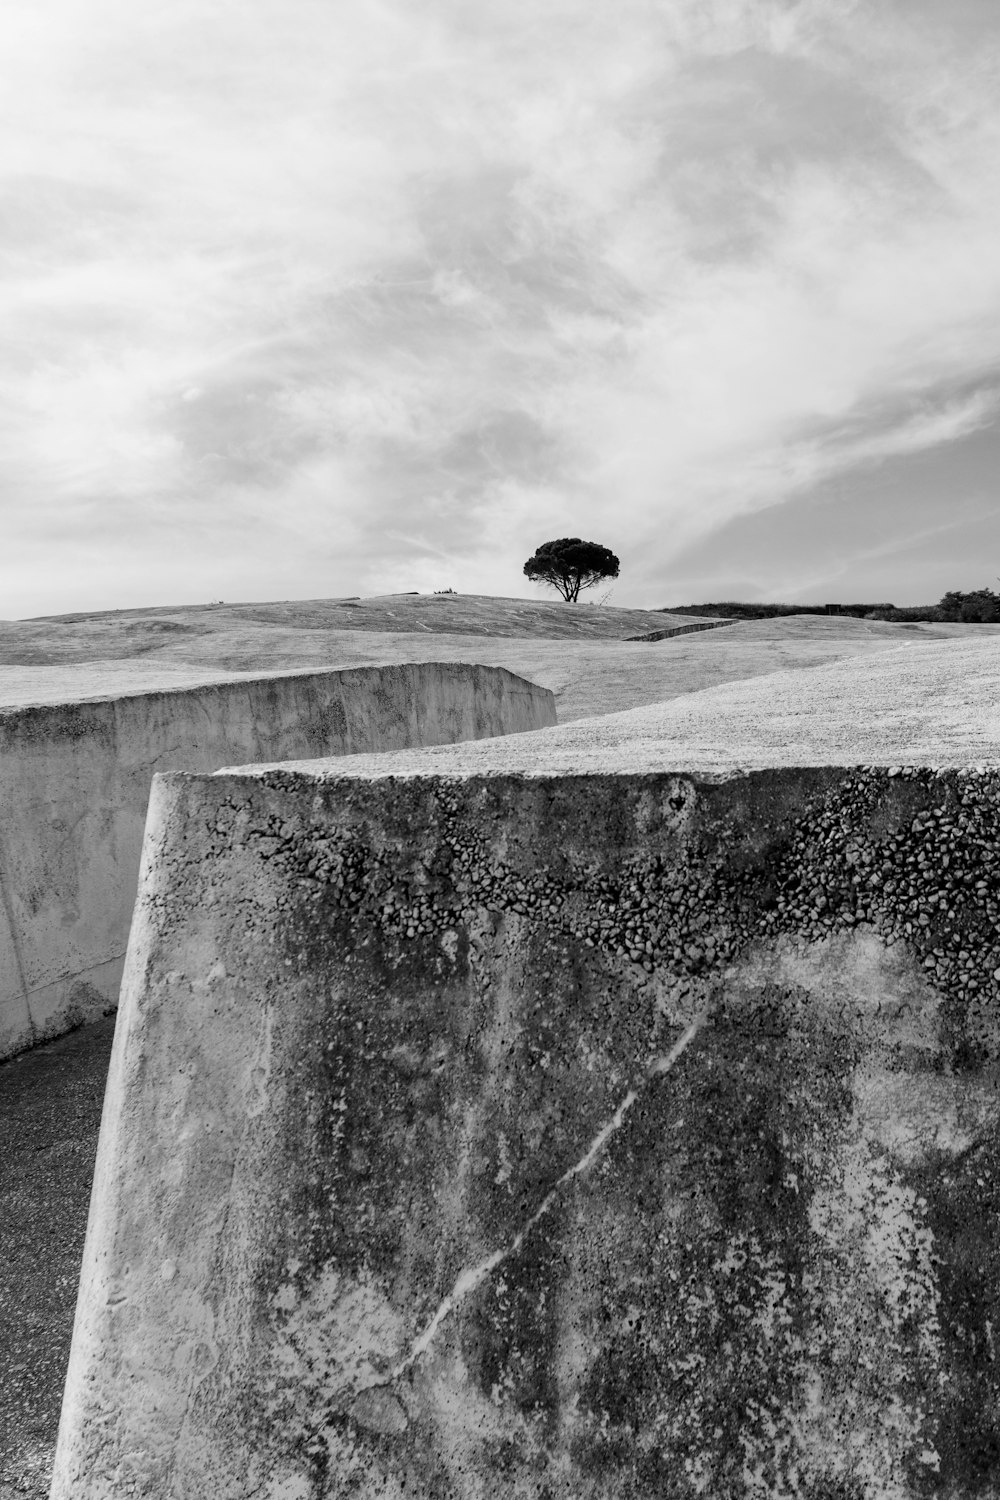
[[589, 1138], [74, 783], [664, 635]]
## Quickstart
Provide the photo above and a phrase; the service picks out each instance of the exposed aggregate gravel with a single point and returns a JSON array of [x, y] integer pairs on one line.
[[931, 879]]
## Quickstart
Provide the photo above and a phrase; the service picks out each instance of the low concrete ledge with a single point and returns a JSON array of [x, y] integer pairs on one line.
[[664, 635], [74, 783], [585, 1136]]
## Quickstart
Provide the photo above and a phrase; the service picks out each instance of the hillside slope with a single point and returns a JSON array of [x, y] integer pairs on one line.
[[136, 632], [77, 656], [933, 705]]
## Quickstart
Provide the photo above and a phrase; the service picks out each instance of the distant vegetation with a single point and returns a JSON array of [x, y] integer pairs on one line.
[[731, 609], [982, 606], [569, 565]]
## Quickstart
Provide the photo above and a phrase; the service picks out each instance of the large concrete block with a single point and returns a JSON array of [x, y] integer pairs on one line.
[[600, 1136], [74, 783]]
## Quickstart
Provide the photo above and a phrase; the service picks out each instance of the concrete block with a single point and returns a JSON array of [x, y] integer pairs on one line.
[[597, 1136], [74, 783]]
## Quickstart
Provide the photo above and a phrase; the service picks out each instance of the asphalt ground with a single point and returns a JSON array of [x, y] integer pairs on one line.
[[50, 1114]]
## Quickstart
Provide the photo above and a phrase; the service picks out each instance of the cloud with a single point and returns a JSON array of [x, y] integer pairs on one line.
[[352, 302]]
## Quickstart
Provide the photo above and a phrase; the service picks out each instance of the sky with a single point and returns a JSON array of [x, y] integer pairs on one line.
[[307, 298]]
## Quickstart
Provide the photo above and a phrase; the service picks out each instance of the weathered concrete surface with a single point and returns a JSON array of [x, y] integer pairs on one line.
[[74, 783], [580, 1137]]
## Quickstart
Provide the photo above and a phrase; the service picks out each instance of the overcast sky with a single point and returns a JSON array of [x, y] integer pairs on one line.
[[314, 297]]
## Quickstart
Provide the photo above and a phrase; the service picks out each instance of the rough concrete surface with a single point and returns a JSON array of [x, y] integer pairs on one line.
[[74, 782], [551, 1136]]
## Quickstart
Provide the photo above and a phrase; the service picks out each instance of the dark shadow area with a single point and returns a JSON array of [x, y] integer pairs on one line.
[[50, 1114]]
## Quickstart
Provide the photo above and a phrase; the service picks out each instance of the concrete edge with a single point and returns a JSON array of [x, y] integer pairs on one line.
[[10, 712], [663, 635], [288, 773]]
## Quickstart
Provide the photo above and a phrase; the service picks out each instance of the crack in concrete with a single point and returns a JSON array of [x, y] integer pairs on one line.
[[470, 1279]]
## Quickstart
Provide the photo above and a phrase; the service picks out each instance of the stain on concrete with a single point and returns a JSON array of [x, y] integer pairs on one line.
[[598, 1136]]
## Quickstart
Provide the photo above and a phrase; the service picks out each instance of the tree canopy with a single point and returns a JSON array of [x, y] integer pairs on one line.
[[981, 605], [569, 565]]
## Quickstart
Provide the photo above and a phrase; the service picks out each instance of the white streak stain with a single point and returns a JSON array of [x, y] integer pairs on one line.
[[469, 1280]]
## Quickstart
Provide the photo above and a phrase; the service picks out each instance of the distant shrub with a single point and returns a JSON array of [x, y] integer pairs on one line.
[[981, 606], [730, 609], [915, 612]]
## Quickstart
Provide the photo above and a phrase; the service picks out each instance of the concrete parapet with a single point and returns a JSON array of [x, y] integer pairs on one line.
[[665, 635], [74, 783], [578, 1137]]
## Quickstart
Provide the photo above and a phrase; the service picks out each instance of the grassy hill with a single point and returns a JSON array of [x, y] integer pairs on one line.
[[580, 651], [138, 632]]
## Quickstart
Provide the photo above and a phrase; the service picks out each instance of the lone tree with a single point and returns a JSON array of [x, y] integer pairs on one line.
[[571, 565]]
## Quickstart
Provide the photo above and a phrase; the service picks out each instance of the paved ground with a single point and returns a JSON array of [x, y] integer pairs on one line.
[[50, 1112]]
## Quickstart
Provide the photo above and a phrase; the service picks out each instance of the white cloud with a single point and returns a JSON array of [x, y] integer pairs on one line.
[[396, 288]]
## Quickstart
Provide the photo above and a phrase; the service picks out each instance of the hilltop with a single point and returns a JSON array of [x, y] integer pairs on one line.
[[137, 632]]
